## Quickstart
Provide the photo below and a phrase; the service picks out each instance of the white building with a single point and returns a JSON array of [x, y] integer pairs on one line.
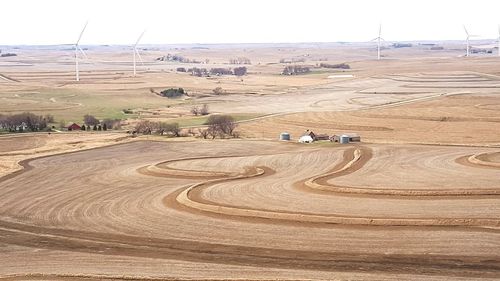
[[306, 139]]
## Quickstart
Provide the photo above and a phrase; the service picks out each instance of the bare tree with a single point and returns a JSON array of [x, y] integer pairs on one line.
[[174, 129], [49, 118], [195, 110], [221, 125], [204, 109], [212, 132], [62, 124], [90, 120], [240, 71], [145, 127], [162, 128], [203, 133], [112, 123], [218, 91]]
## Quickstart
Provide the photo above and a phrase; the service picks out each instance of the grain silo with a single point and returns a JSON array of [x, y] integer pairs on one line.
[[344, 139], [284, 137]]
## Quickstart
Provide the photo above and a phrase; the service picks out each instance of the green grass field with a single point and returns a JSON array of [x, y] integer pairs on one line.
[[71, 105]]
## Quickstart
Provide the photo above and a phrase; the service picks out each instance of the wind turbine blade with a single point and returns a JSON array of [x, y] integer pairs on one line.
[[499, 31], [374, 39], [139, 56], [379, 30], [81, 33], [139, 39], [466, 32], [83, 53]]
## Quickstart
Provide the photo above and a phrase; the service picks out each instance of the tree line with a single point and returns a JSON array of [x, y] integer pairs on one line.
[[147, 127], [25, 121], [218, 126], [92, 121], [216, 71], [295, 69]]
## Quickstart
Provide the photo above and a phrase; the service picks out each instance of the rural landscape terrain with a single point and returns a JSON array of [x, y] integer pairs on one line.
[[183, 171]]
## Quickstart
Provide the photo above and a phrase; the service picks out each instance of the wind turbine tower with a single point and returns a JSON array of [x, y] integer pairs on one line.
[[136, 52], [378, 39], [498, 39], [77, 49], [468, 41]]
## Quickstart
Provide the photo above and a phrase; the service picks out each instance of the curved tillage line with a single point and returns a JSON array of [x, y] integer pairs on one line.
[[482, 160], [116, 231], [102, 277], [111, 244], [191, 197], [162, 169], [355, 159]]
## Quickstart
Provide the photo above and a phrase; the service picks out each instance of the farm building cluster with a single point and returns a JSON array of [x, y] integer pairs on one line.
[[310, 136]]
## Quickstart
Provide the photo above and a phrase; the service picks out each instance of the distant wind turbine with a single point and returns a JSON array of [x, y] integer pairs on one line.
[[498, 39], [378, 40], [467, 40], [137, 52], [78, 49]]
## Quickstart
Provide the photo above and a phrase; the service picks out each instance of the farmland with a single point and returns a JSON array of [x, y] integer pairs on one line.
[[416, 199]]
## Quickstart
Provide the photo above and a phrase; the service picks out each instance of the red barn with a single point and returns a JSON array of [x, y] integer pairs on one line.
[[74, 127]]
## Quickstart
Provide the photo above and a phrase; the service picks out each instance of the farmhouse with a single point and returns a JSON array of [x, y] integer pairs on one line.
[[74, 127], [306, 139], [21, 127], [310, 133]]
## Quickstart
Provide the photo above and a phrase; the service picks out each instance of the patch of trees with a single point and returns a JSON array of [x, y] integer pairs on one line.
[[8, 55], [240, 60], [221, 71], [479, 51], [181, 69], [147, 127], [128, 111], [218, 71], [292, 60], [218, 91], [240, 71], [221, 126], [173, 93], [203, 110], [402, 45], [90, 122], [295, 70], [111, 124], [199, 72], [25, 121], [176, 58], [338, 66], [437, 48]]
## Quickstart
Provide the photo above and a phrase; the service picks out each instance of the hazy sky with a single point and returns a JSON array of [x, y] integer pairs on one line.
[[233, 21]]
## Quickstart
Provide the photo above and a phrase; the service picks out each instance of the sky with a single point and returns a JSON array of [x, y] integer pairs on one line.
[[48, 22]]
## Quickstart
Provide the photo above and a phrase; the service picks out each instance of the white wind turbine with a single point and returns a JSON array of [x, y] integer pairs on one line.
[[137, 52], [378, 39], [468, 43], [498, 39], [77, 49]]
